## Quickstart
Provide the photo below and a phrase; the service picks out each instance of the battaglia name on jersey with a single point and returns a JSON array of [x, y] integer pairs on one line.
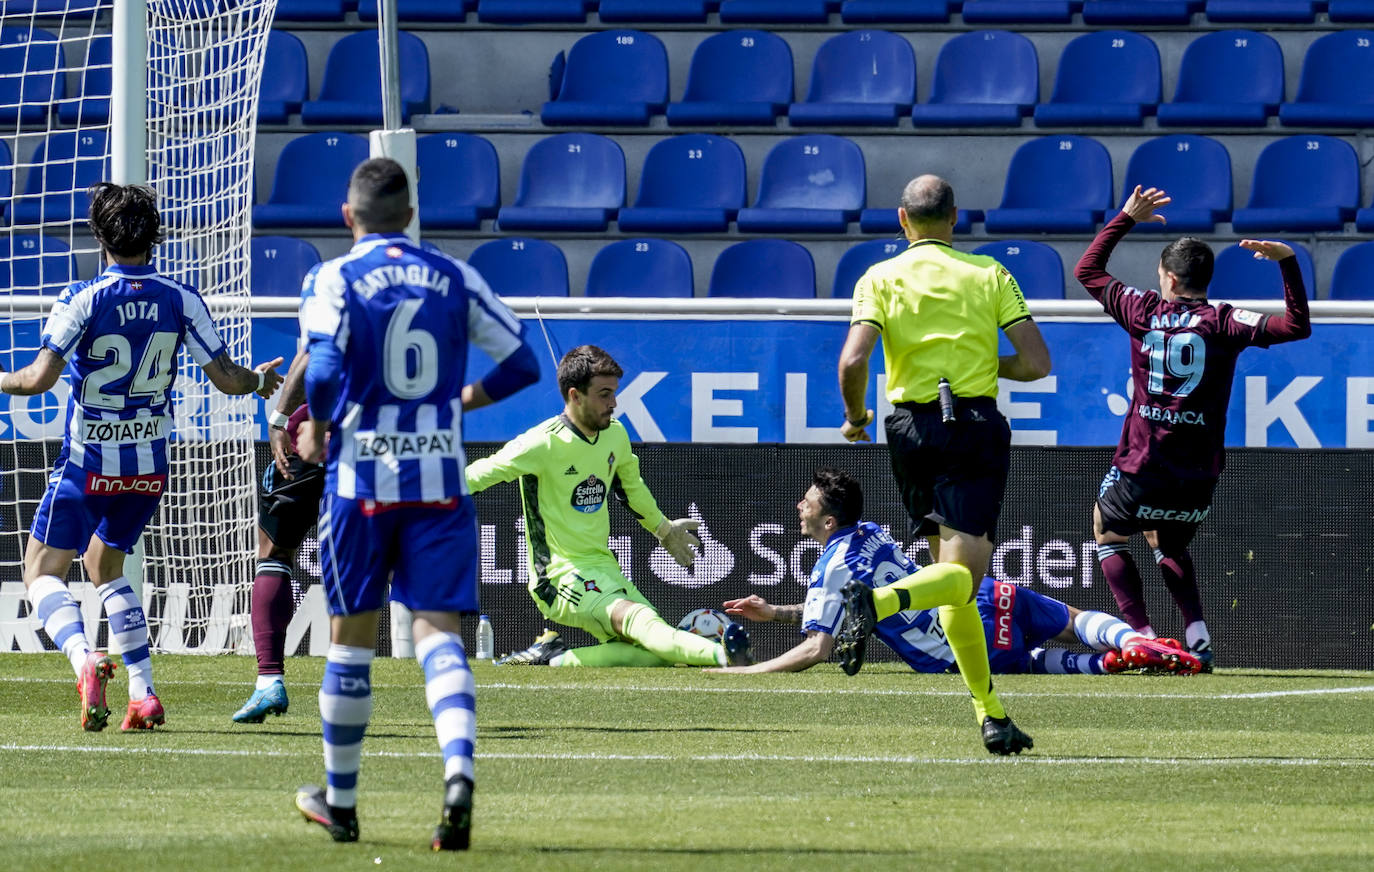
[[404, 446], [391, 275], [589, 494], [132, 431]]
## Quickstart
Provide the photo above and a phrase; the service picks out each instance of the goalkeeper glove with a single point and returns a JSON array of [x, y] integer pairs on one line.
[[678, 539]]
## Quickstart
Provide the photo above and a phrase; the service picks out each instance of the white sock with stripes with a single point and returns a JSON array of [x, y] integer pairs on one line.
[[1102, 632], [449, 690], [1061, 661], [129, 632], [345, 709], [61, 617]]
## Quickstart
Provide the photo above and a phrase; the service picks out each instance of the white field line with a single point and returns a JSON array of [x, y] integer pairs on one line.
[[725, 758], [802, 691]]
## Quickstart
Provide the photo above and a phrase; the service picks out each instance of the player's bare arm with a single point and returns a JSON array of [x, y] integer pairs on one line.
[[756, 608], [1267, 249], [858, 348], [1296, 321], [236, 380], [1142, 203], [291, 396], [815, 648], [1032, 358], [36, 378]]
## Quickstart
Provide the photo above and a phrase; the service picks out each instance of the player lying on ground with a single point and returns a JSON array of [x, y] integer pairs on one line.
[[1017, 621], [568, 467], [122, 333]]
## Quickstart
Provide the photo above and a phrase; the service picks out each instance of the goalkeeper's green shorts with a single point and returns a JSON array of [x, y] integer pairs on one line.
[[582, 597]]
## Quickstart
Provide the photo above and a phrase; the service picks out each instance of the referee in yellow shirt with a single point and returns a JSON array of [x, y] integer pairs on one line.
[[938, 312]]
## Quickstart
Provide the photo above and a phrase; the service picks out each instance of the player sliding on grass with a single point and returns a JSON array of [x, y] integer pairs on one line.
[[568, 467], [1017, 621], [122, 333], [1172, 449]]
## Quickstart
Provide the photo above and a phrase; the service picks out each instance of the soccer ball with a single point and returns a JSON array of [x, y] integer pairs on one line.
[[710, 623]]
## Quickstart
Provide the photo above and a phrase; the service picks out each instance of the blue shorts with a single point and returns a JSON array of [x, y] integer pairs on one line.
[[79, 503], [428, 553], [1017, 619]]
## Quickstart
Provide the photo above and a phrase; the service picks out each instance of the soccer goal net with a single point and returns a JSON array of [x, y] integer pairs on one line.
[[199, 78]]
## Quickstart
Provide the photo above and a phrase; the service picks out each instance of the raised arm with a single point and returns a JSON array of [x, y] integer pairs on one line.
[[1091, 270], [36, 378], [1296, 321]]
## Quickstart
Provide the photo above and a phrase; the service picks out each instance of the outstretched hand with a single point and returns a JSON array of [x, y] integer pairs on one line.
[[752, 607], [1267, 249], [271, 379], [1141, 205]]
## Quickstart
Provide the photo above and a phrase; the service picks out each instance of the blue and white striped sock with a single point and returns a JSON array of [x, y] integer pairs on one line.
[[1102, 632], [449, 690], [61, 616], [345, 709], [1060, 661], [129, 630]]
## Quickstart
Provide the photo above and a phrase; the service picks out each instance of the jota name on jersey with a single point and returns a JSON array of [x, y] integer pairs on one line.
[[132, 431], [404, 446], [392, 275]]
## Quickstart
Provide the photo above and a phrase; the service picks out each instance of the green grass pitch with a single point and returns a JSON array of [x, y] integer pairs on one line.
[[675, 769]]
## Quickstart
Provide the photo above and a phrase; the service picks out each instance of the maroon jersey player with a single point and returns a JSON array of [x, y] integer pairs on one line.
[[1172, 448]]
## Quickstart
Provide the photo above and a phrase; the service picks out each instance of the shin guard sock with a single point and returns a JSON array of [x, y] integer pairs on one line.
[[964, 632], [345, 709], [609, 654], [57, 609], [129, 629], [939, 584], [1101, 631], [273, 605], [644, 627], [449, 690], [1059, 661], [1124, 580], [1181, 581]]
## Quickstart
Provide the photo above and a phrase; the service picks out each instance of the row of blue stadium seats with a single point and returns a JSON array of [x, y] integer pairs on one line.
[[982, 78], [519, 266], [868, 77], [850, 11], [695, 183]]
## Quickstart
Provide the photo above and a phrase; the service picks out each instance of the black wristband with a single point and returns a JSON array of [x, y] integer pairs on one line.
[[863, 423]]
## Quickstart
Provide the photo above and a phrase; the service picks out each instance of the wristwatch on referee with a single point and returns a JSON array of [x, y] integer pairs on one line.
[[277, 421]]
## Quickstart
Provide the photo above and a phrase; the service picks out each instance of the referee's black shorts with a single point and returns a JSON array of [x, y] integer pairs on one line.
[[954, 474], [289, 508]]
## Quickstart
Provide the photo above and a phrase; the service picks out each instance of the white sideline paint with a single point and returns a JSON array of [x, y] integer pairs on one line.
[[730, 758], [805, 691]]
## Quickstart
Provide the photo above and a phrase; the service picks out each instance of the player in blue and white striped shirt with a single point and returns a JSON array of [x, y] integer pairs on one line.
[[1017, 621], [388, 327], [121, 333]]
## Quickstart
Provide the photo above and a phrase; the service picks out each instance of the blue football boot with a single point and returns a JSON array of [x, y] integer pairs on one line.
[[270, 700]]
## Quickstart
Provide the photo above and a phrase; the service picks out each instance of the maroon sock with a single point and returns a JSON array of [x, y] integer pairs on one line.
[[1182, 583], [1124, 580], [273, 604]]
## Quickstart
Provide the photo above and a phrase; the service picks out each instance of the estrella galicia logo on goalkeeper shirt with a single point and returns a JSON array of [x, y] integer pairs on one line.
[[589, 495]]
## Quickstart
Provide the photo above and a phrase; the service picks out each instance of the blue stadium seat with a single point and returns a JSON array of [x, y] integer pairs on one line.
[[91, 104], [809, 184], [1261, 11], [1110, 77], [1353, 278], [35, 265], [776, 11], [459, 180], [571, 181], [863, 77], [532, 11], [311, 10], [692, 183], [897, 11], [57, 8], [521, 267], [1020, 11], [6, 177], [737, 77], [666, 11], [1119, 12], [884, 220], [351, 92], [1195, 171], [1231, 78], [1036, 266], [278, 265], [30, 75], [764, 268], [1346, 11], [856, 261], [641, 268], [445, 11], [1055, 184], [1239, 276], [285, 78], [611, 77], [1302, 183], [1337, 84], [62, 168], [1364, 220], [987, 78], [310, 181]]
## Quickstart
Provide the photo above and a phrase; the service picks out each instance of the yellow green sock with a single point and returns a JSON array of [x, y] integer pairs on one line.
[[645, 628], [939, 584], [609, 654], [964, 632]]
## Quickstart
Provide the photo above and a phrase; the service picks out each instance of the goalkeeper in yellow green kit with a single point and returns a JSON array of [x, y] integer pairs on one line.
[[568, 466]]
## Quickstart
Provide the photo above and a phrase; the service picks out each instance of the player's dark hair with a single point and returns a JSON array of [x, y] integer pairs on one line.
[[124, 218], [584, 363], [379, 195], [1191, 260], [927, 198], [841, 495]]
